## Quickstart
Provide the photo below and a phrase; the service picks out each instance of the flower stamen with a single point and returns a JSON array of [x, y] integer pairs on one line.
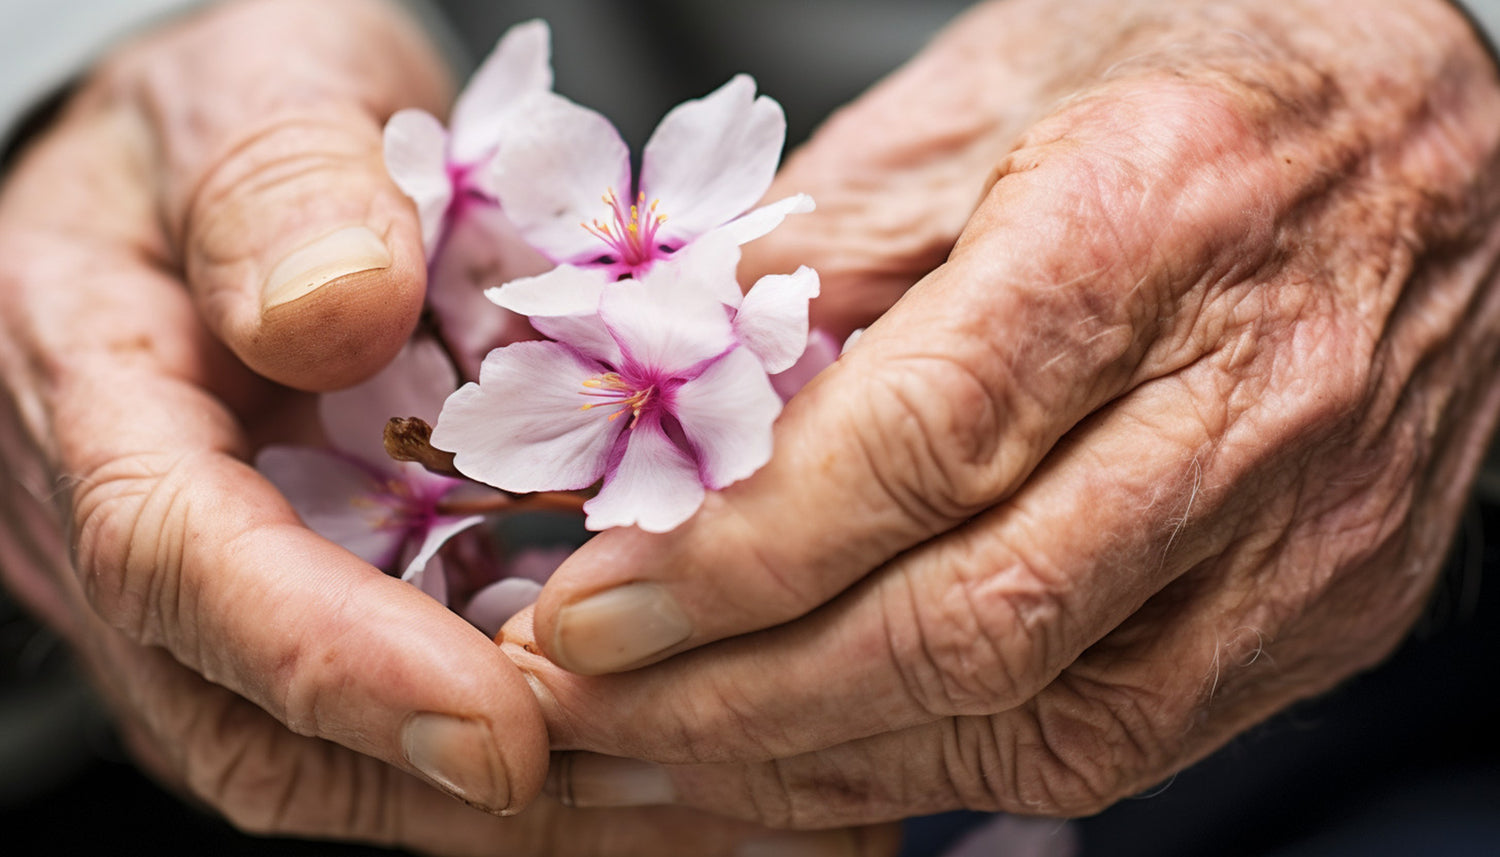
[[619, 392], [629, 233]]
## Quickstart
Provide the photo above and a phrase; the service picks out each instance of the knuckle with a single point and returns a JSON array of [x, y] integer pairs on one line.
[[769, 797], [931, 437], [838, 787], [988, 640], [727, 710], [311, 679], [130, 516], [1073, 752]]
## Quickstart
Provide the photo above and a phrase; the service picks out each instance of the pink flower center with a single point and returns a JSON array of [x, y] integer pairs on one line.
[[405, 509], [620, 394], [629, 233]]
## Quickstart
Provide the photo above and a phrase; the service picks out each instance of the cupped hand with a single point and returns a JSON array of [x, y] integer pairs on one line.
[[1176, 434], [211, 211]]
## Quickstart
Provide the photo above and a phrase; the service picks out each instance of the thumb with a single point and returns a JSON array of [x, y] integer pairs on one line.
[[301, 253]]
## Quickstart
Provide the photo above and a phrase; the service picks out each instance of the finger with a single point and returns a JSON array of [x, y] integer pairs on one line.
[[184, 547], [303, 256], [951, 399], [1127, 715], [234, 757], [980, 619], [179, 544]]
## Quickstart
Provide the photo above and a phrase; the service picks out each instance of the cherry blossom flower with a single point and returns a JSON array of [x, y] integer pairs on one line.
[[470, 244], [388, 513], [564, 178], [771, 319], [661, 393]]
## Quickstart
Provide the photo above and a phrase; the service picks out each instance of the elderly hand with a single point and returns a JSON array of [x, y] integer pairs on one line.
[[213, 199], [1177, 434]]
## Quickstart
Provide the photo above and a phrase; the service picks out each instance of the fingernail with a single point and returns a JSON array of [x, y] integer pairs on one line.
[[587, 780], [458, 756], [822, 843], [618, 627], [338, 254]]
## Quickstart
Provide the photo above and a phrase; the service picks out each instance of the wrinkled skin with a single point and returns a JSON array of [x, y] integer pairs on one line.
[[1194, 361], [254, 666]]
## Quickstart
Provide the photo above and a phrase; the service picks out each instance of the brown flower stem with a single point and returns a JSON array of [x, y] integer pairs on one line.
[[410, 439], [545, 501]]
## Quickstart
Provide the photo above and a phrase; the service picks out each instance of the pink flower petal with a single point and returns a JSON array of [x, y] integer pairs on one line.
[[432, 579], [492, 606], [564, 304], [664, 323], [772, 320], [708, 264], [336, 498], [440, 532], [519, 65], [655, 485], [756, 223], [413, 385], [416, 157], [481, 250], [712, 158], [522, 427], [564, 290], [584, 333], [726, 414], [552, 171], [822, 349]]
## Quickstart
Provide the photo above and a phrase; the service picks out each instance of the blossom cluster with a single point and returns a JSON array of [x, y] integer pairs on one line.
[[597, 315]]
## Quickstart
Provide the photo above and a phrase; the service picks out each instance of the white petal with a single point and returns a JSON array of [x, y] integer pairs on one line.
[[772, 320], [431, 578], [564, 290], [727, 414], [665, 325], [756, 223], [440, 532], [584, 333], [554, 165], [336, 498], [522, 427], [819, 354], [520, 64], [711, 159], [416, 157], [564, 304], [655, 486], [413, 385], [493, 605], [707, 264]]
